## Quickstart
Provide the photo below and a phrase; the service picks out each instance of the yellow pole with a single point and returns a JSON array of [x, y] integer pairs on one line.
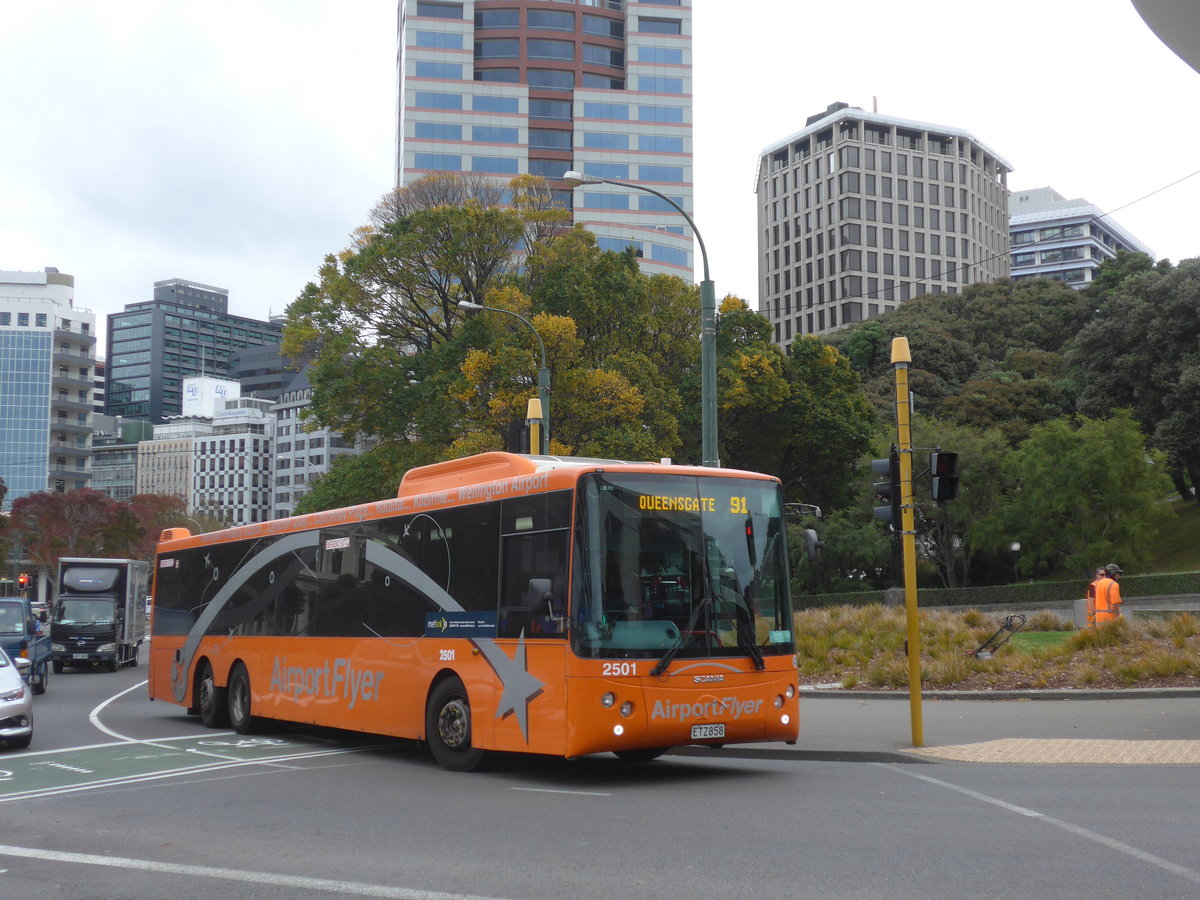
[[900, 360], [533, 416]]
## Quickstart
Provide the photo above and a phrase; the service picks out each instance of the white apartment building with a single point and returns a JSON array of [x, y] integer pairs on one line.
[[1067, 240]]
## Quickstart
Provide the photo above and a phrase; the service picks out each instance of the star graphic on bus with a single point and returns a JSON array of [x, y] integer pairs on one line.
[[519, 687]]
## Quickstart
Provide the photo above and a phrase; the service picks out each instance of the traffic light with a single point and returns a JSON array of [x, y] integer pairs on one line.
[[943, 476], [22, 583], [888, 487]]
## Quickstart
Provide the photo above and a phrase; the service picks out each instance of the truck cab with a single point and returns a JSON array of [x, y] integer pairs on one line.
[[21, 635]]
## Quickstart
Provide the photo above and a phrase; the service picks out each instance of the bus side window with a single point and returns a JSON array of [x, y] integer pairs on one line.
[[532, 597]]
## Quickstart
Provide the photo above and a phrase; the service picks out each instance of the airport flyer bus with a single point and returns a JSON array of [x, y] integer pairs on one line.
[[499, 602]]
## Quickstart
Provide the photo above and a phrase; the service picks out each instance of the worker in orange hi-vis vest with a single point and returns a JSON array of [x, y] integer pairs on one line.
[[1091, 596], [1108, 595]]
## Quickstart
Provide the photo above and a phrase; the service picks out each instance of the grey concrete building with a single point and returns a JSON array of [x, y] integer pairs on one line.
[[859, 211]]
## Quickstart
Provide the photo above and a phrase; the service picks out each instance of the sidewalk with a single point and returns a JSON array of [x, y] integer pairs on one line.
[[1154, 727]]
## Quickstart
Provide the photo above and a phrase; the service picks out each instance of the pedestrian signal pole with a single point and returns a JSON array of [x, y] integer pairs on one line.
[[900, 360]]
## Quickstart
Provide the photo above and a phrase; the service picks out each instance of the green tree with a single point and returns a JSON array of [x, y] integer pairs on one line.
[[802, 417], [1083, 494], [51, 524], [1141, 350]]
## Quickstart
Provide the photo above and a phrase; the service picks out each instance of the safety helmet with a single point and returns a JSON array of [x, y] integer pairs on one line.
[[1114, 569]]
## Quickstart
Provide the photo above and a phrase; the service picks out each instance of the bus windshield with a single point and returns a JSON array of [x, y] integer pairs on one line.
[[679, 567]]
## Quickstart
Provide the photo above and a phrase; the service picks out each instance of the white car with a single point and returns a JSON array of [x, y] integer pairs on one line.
[[16, 703]]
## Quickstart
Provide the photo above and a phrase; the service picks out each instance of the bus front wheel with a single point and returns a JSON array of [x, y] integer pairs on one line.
[[239, 701], [643, 755], [214, 709], [448, 727]]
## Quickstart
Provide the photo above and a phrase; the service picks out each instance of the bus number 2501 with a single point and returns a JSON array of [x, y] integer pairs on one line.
[[445, 655], [620, 668]]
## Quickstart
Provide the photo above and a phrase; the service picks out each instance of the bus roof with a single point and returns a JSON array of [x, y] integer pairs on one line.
[[451, 475]]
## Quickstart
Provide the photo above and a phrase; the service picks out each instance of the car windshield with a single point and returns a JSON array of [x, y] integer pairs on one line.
[[679, 567], [12, 619], [84, 612]]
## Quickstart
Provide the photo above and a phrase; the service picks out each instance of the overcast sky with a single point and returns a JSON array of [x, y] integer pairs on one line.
[[236, 143]]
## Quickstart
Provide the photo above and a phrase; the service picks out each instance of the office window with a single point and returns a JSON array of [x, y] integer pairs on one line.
[[550, 20], [439, 10], [427, 69], [437, 100], [550, 109], [666, 114], [606, 170], [494, 134], [555, 79], [502, 76], [604, 140], [672, 174], [497, 48], [437, 131], [547, 139], [655, 143], [539, 48], [603, 56], [441, 161], [598, 200], [593, 110], [659, 26], [613, 28], [604, 82], [497, 18], [668, 55], [439, 40], [654, 84]]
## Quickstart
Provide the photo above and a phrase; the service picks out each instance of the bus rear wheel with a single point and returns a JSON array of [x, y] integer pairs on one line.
[[214, 707], [448, 727], [240, 718]]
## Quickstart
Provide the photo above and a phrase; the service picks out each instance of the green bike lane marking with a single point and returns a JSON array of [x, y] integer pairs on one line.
[[52, 772]]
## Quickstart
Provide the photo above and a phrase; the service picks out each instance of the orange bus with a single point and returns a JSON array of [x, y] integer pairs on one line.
[[500, 602]]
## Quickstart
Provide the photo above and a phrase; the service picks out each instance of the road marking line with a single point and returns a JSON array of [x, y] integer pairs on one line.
[[552, 791], [154, 742], [94, 715], [119, 781], [1087, 834], [358, 888]]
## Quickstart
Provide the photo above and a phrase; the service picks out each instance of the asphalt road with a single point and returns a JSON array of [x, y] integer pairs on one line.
[[120, 797]]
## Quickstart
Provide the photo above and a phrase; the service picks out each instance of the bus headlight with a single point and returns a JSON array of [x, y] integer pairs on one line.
[[626, 709], [791, 691], [779, 701], [608, 700], [785, 718]]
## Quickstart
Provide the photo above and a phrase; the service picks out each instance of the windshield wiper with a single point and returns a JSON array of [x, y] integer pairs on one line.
[[747, 643], [661, 665]]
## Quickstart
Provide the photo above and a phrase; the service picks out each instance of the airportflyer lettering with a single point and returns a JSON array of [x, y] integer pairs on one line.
[[722, 707], [337, 678]]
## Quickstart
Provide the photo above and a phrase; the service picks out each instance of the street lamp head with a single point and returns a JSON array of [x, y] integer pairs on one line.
[[574, 179], [467, 304]]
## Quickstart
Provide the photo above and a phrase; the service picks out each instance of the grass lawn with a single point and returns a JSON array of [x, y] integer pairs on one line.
[[1178, 547], [1039, 640]]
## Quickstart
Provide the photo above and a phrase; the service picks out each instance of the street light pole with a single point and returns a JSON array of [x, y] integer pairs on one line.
[[708, 319], [543, 374]]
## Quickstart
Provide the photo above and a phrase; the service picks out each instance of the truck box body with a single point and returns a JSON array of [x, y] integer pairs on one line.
[[100, 612]]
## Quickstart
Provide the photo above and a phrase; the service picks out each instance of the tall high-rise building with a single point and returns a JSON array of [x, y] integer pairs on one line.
[[47, 354], [499, 88], [859, 211], [185, 330], [1067, 240]]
